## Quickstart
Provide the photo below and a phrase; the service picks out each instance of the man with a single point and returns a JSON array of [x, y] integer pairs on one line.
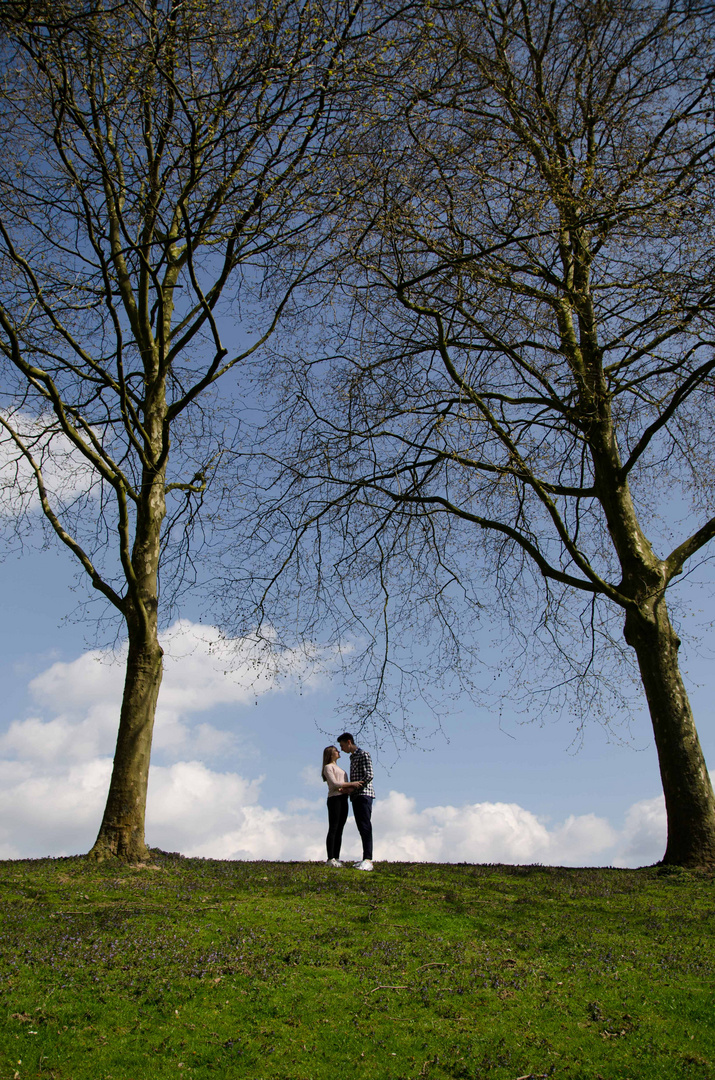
[[361, 773]]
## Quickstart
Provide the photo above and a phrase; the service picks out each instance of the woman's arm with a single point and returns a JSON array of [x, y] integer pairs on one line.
[[333, 777], [336, 787]]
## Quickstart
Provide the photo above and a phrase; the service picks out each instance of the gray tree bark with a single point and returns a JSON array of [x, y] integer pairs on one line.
[[689, 799], [121, 832]]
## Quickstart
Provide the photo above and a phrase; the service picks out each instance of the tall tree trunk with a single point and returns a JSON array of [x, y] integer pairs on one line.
[[121, 833], [689, 800]]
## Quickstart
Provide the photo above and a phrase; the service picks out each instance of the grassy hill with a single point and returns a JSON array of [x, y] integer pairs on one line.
[[203, 969]]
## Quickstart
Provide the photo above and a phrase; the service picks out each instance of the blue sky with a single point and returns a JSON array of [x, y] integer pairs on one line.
[[235, 773]]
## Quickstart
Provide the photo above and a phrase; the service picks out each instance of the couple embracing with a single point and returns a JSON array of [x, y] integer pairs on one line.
[[358, 789]]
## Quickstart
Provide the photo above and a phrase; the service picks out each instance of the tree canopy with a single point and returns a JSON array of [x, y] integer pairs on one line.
[[158, 206], [516, 373]]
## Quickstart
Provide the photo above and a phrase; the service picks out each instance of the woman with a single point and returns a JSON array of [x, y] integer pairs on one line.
[[339, 788]]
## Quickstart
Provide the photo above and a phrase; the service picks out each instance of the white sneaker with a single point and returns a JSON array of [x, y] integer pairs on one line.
[[333, 862], [365, 864]]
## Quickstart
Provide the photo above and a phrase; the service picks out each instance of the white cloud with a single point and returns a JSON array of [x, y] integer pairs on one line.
[[478, 833], [644, 833], [310, 775], [199, 811], [202, 670], [484, 832], [66, 473], [55, 767], [269, 833], [51, 812], [189, 800]]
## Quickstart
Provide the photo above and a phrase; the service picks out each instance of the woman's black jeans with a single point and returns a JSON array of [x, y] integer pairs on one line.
[[337, 816]]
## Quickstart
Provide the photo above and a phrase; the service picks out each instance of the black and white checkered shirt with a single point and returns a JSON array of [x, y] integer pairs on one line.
[[361, 769]]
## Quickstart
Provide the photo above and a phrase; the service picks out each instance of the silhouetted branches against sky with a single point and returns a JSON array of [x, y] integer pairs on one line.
[[531, 182], [160, 201]]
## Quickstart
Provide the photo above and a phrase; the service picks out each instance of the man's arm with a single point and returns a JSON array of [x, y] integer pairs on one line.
[[366, 769]]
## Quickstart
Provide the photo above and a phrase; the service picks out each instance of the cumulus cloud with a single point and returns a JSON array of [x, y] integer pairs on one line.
[[200, 811], [476, 833], [202, 670], [644, 833], [66, 473], [50, 812], [55, 767], [485, 832]]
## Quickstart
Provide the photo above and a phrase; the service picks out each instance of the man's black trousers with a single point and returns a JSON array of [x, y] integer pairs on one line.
[[362, 809]]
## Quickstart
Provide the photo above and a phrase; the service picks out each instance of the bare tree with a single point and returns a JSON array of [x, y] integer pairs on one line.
[[158, 205], [520, 373]]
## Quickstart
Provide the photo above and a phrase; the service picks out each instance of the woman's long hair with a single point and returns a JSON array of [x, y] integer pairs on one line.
[[326, 760]]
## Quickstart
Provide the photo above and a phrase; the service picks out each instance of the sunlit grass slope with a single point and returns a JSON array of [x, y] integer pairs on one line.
[[295, 971]]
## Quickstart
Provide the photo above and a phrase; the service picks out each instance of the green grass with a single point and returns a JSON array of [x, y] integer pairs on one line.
[[209, 969]]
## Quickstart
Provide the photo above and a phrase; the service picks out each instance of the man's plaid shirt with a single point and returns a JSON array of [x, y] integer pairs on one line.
[[361, 769]]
